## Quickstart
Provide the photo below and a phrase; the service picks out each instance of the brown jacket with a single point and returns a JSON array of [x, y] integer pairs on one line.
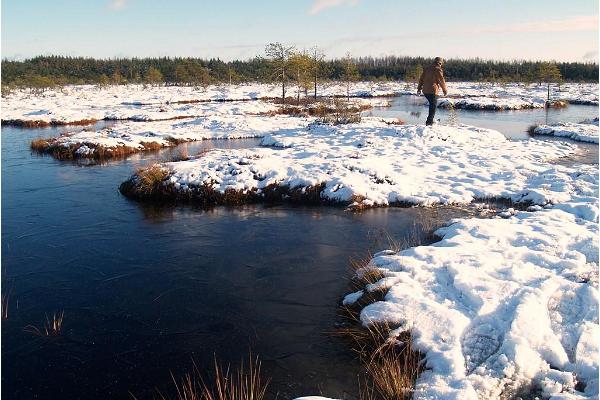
[[432, 79]]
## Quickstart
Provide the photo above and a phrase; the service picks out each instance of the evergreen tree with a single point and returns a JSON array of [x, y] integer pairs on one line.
[[153, 76], [414, 74], [279, 56], [548, 73], [299, 66], [316, 66], [350, 73]]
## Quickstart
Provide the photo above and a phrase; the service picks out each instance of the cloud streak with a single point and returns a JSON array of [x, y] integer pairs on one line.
[[320, 5]]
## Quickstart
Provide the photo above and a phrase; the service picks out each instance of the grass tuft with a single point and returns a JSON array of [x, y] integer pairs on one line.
[[5, 300], [244, 384], [52, 327], [150, 179]]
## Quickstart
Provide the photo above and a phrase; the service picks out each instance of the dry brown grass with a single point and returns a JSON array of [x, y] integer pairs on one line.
[[52, 326], [5, 300], [150, 179], [20, 123], [244, 384], [206, 195], [40, 144], [397, 121], [394, 367], [557, 104], [531, 130], [177, 155], [58, 150], [391, 362]]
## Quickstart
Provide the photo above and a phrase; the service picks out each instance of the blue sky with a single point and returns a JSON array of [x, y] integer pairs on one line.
[[228, 29]]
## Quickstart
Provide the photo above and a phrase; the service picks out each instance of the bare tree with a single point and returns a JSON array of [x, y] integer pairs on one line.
[[280, 59]]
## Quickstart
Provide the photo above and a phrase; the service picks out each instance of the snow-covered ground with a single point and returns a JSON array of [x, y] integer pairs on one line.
[[501, 304], [496, 306], [138, 102], [493, 103], [218, 125], [377, 164], [584, 132]]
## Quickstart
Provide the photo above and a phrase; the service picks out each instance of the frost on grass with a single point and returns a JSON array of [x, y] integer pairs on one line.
[[500, 305], [375, 164], [584, 132]]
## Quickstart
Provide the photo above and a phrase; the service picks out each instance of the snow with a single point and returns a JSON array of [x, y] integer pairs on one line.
[[168, 133], [583, 132], [377, 164], [146, 103], [493, 103], [498, 304]]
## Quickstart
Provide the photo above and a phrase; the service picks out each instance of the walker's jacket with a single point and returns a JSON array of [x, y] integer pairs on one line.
[[432, 79]]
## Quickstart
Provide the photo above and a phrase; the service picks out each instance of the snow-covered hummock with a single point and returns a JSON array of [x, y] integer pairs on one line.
[[169, 133], [584, 132], [381, 164], [493, 103], [139, 102], [499, 304]]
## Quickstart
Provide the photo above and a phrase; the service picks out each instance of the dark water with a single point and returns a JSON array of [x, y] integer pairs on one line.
[[513, 124], [146, 290]]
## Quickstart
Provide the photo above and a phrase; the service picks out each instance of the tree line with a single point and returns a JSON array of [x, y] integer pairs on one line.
[[279, 63]]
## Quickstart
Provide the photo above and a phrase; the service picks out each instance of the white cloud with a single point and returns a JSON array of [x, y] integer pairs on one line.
[[320, 5], [116, 5]]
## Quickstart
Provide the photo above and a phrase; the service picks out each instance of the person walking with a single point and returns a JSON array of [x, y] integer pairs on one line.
[[431, 80]]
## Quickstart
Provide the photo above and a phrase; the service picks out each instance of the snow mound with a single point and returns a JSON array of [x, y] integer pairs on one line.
[[493, 103], [379, 165], [169, 133], [584, 132], [498, 305]]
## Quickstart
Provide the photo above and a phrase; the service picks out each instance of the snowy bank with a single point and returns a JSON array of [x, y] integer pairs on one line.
[[375, 164], [493, 103], [132, 137], [499, 306], [84, 104], [584, 132]]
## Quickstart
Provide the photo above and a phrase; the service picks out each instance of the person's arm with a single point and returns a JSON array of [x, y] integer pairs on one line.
[[420, 87], [442, 82]]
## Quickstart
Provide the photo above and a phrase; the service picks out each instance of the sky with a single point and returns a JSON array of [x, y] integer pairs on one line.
[[239, 29]]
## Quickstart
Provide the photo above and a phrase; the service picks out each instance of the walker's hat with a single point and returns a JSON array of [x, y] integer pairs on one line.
[[438, 60]]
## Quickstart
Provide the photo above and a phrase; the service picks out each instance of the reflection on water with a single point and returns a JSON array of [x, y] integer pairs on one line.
[[513, 124], [147, 289]]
